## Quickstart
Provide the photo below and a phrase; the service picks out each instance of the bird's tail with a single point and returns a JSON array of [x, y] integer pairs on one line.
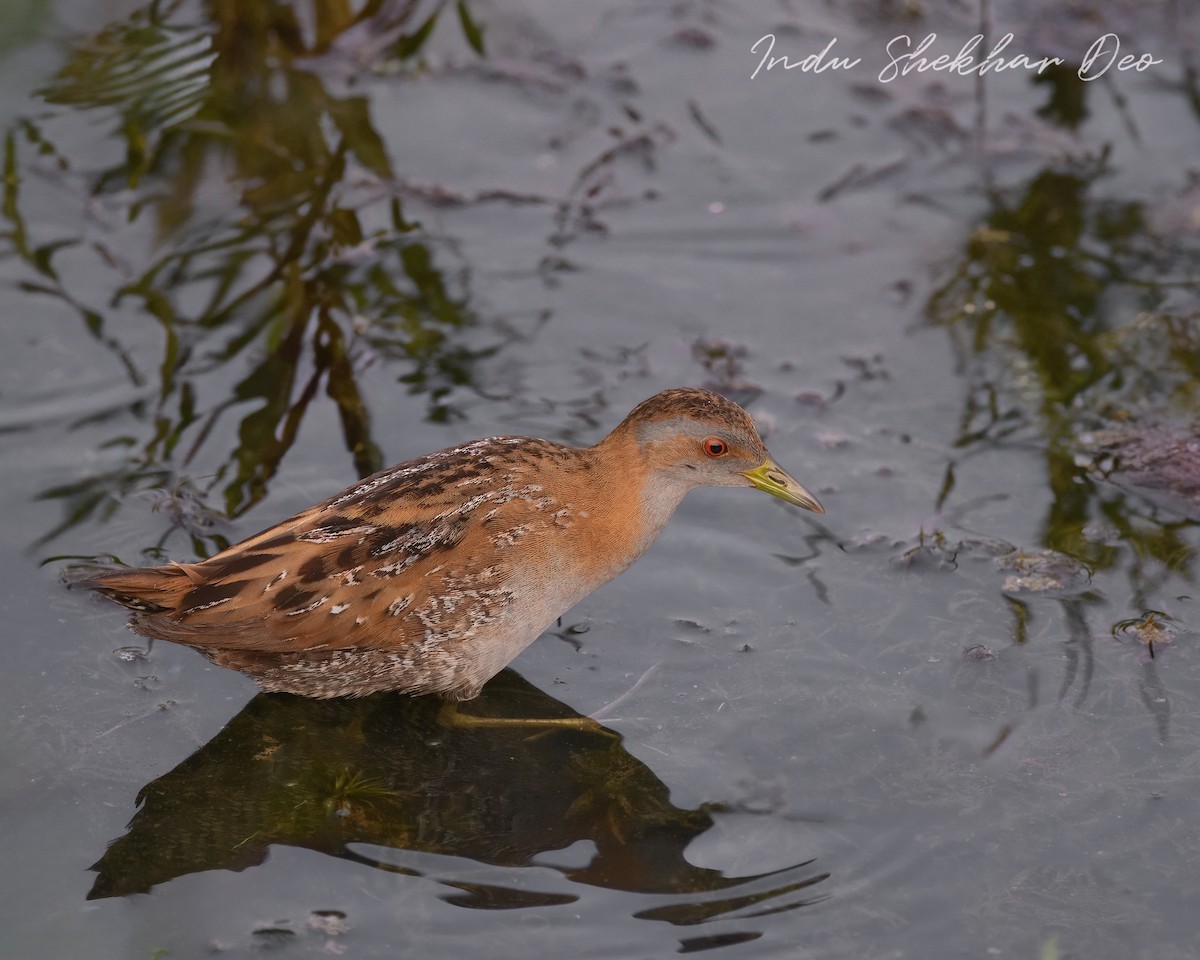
[[145, 589]]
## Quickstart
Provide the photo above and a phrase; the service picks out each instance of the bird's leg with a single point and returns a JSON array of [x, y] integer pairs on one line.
[[451, 716]]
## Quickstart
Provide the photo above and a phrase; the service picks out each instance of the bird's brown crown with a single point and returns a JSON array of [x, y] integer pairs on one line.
[[691, 403]]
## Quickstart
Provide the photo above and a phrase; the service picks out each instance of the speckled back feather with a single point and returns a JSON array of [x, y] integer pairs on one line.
[[328, 578]]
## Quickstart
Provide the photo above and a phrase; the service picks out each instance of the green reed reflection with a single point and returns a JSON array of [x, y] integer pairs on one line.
[[277, 237], [1065, 331], [1036, 307]]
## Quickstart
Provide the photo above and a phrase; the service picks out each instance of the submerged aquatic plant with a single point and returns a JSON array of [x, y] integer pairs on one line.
[[242, 219]]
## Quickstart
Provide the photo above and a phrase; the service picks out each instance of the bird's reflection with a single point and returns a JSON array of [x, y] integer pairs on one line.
[[386, 771]]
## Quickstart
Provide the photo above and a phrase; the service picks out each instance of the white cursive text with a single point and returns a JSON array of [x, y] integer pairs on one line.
[[1102, 55], [813, 63], [963, 63]]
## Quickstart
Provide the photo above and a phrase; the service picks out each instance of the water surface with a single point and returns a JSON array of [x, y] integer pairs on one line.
[[252, 252]]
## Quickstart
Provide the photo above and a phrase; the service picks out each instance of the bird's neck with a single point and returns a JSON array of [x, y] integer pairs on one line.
[[631, 483]]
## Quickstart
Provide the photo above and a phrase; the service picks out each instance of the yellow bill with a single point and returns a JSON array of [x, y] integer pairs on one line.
[[772, 478]]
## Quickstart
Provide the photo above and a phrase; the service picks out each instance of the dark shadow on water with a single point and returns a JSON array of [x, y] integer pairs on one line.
[[386, 772]]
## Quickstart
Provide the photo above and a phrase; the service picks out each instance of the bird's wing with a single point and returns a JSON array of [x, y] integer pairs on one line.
[[371, 566]]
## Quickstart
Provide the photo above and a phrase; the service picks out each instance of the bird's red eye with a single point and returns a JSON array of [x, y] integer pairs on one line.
[[716, 447]]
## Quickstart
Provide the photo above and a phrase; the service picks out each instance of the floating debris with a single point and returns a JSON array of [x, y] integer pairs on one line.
[[1045, 572], [273, 936], [722, 362], [833, 439], [692, 38], [868, 367], [811, 398], [332, 923], [1162, 460], [1101, 532], [1152, 629], [980, 653], [933, 550]]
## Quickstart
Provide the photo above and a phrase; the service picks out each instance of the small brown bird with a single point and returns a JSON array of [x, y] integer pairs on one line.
[[431, 576]]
